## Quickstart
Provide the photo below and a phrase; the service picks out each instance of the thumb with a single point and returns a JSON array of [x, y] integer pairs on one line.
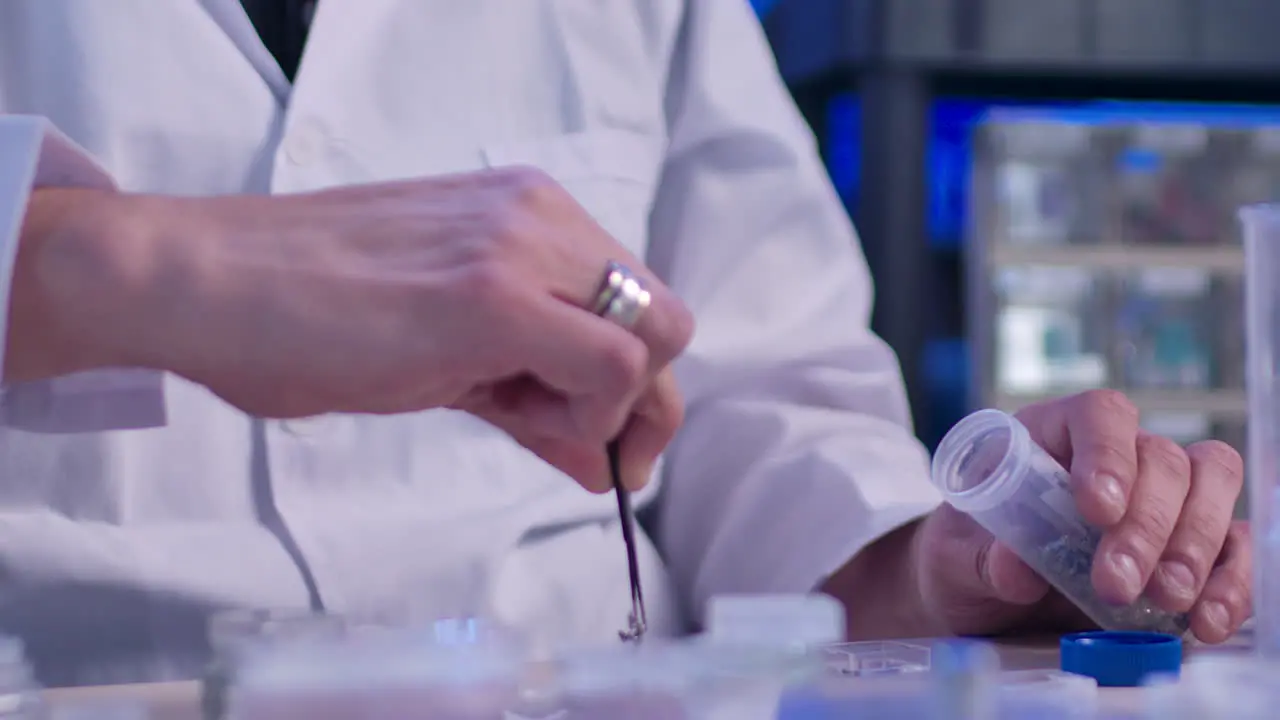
[[1008, 578]]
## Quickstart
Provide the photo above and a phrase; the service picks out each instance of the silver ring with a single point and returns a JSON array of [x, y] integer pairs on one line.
[[622, 298]]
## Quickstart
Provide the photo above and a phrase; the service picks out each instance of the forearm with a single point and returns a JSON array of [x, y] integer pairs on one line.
[[881, 591], [85, 286]]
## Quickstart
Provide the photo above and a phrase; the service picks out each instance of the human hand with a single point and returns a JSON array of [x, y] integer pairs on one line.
[[1166, 517], [464, 291]]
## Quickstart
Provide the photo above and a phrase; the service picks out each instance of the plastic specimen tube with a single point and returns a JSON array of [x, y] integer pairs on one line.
[[988, 468], [1262, 339]]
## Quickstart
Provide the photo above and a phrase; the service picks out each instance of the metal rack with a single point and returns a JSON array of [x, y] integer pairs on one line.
[[901, 55]]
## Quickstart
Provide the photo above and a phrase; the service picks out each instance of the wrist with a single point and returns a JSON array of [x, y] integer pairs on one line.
[[86, 281], [882, 591]]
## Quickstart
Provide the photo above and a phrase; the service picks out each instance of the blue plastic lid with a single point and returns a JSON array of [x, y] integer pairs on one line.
[[1121, 659]]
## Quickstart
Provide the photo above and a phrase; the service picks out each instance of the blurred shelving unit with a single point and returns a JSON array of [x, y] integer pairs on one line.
[[1148, 295]]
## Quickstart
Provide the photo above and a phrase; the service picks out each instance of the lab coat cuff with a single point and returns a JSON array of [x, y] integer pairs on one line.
[[37, 155]]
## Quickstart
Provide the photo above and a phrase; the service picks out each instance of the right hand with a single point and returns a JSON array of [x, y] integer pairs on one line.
[[464, 291]]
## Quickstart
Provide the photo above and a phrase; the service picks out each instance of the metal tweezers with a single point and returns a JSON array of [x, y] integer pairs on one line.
[[637, 622]]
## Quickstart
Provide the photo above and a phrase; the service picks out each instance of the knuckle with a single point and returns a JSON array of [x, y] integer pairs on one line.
[[533, 186], [485, 280], [1149, 528], [1108, 401], [1196, 545], [1165, 456]]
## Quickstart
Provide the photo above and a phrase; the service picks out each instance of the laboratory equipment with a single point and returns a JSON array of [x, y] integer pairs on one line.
[[621, 299], [103, 709], [1047, 695], [232, 633], [1160, 317], [878, 657], [1049, 333], [1236, 686], [1044, 179], [1121, 659], [802, 623], [1167, 319], [988, 467], [452, 670], [1167, 181], [681, 680], [637, 621], [19, 694], [1262, 311], [965, 681]]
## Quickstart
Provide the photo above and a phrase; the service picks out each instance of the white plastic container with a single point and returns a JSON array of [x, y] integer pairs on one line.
[[988, 468], [409, 674], [1234, 687], [1262, 340]]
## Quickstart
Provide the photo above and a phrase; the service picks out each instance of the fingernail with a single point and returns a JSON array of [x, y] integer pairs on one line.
[[1126, 571], [1216, 615], [1109, 491], [1177, 579]]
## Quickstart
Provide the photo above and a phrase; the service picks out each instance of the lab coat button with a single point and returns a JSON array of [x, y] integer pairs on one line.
[[303, 144]]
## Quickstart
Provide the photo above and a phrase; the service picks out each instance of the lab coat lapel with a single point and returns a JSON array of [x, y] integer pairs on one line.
[[230, 16]]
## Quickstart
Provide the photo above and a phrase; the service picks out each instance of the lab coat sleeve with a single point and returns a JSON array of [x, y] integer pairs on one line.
[[797, 449], [34, 154]]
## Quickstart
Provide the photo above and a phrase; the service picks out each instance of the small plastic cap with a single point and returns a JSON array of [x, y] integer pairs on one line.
[[1121, 659]]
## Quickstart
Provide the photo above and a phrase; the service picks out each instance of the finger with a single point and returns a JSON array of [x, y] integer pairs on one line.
[[1128, 552], [1217, 476], [665, 327], [1094, 435], [1227, 600], [600, 368], [529, 426], [651, 428]]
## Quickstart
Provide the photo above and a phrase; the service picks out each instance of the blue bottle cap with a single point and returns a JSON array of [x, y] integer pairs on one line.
[[1121, 659]]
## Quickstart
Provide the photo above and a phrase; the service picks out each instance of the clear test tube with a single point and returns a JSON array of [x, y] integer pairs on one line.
[[1262, 340], [988, 468]]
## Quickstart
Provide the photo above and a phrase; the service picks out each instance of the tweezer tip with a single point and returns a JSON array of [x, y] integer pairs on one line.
[[635, 630]]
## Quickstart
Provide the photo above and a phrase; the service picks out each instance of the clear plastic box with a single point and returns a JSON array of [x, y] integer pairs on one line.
[[988, 467], [966, 684], [878, 657], [235, 632], [687, 680]]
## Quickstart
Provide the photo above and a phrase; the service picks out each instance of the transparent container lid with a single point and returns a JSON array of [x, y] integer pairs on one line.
[[878, 657]]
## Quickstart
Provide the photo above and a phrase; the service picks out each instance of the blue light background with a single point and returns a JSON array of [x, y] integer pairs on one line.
[[947, 372]]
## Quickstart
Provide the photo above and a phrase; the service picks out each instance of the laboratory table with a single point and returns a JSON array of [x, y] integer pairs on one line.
[[180, 701]]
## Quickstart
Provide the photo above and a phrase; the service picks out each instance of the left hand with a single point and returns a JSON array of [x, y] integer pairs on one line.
[[1166, 515]]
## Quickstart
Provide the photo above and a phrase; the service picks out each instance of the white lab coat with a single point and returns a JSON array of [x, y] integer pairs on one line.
[[131, 503]]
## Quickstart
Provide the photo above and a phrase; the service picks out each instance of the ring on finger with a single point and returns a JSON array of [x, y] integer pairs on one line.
[[622, 297]]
